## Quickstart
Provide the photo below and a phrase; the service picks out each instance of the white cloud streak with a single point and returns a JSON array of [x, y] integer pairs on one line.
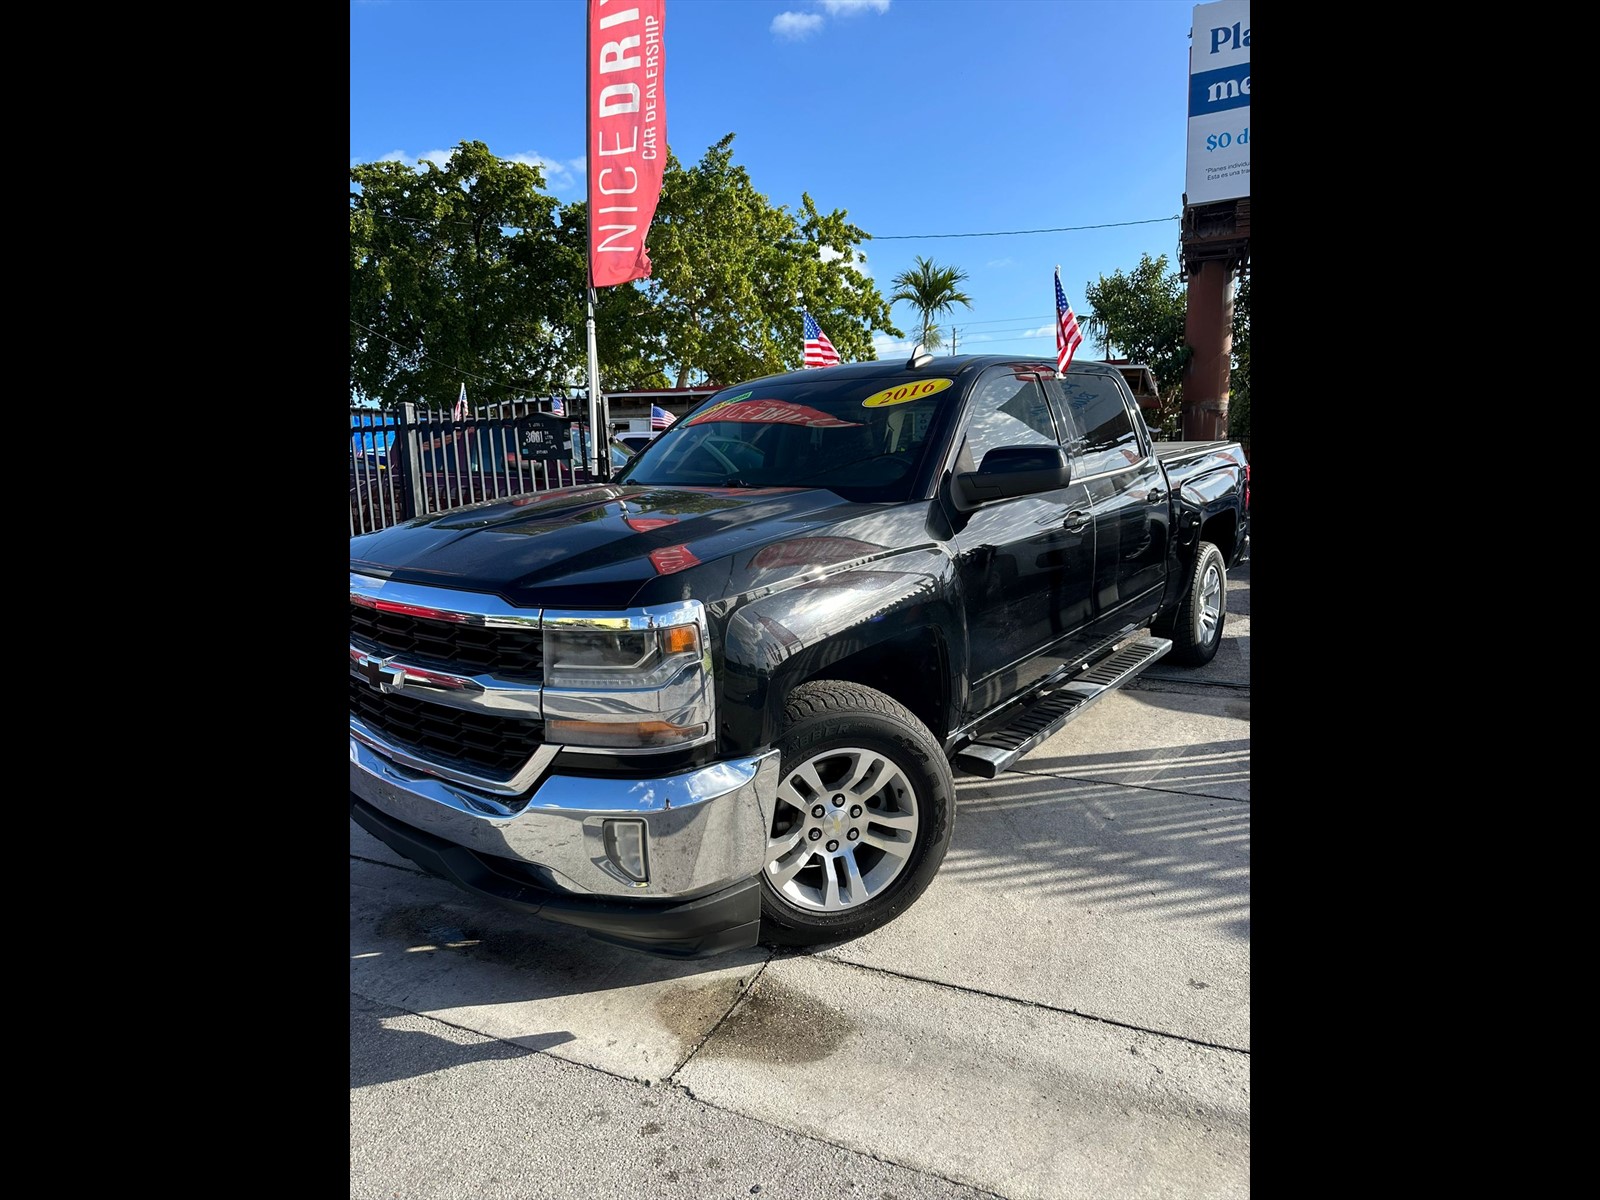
[[796, 26], [887, 347], [559, 175], [859, 263]]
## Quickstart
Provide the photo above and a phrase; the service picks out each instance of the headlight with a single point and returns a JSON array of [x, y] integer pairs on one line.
[[636, 681], [624, 658]]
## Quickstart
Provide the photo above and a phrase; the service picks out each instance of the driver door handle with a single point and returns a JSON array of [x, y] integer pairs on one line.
[[1076, 519]]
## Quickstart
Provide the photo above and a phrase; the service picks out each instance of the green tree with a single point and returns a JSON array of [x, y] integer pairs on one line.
[[472, 273], [440, 292], [1142, 314], [931, 290], [730, 272], [1239, 368]]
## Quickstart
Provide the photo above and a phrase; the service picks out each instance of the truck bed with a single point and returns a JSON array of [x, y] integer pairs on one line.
[[1185, 461], [1177, 452]]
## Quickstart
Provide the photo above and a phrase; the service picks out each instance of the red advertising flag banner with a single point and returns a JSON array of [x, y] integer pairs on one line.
[[627, 124]]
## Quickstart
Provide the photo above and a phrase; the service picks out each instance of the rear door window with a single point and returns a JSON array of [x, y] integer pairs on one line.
[[1104, 437]]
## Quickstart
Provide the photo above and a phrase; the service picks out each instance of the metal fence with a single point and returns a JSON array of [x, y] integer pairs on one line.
[[412, 461]]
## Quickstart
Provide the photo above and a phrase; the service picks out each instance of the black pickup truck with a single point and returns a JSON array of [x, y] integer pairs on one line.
[[720, 698]]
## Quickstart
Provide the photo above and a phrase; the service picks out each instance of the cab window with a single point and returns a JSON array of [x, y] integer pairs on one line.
[[1104, 437], [1008, 409]]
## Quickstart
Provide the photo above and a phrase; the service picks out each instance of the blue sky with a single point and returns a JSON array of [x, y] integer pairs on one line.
[[917, 117]]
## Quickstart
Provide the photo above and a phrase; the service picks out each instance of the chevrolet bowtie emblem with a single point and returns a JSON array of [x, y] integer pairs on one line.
[[381, 674]]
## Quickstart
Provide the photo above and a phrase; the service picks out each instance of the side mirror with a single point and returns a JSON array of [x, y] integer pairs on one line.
[[1012, 471]]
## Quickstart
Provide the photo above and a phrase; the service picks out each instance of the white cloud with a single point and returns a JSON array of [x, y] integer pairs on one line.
[[888, 347], [859, 265], [796, 26], [1042, 331], [558, 176], [998, 262]]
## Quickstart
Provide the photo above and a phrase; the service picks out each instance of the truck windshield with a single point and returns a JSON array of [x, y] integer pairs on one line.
[[859, 438]]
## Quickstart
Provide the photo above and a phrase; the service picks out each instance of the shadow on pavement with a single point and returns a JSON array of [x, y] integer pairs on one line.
[[379, 1054], [1103, 843], [408, 915]]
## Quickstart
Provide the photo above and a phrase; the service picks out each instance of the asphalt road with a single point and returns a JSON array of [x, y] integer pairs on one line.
[[1064, 1013]]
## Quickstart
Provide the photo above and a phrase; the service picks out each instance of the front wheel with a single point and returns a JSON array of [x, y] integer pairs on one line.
[[863, 817], [1196, 629]]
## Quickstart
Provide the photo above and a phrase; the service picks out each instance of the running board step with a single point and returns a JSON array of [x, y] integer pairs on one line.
[[999, 749]]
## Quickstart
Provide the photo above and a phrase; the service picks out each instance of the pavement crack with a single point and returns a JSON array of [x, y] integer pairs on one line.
[[1066, 1012], [1144, 682], [1122, 783], [671, 1076], [378, 862]]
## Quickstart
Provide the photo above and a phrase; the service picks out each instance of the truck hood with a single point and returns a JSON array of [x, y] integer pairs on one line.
[[592, 546]]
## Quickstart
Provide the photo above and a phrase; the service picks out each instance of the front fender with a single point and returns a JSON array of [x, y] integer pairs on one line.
[[775, 642]]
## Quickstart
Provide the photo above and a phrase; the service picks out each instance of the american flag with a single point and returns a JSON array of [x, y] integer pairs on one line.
[[819, 350], [460, 413], [1068, 336], [557, 407], [660, 418]]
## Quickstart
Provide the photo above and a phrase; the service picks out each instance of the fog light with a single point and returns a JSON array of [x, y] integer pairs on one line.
[[624, 841]]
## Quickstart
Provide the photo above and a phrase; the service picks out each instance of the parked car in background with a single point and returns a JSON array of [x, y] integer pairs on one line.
[[635, 441]]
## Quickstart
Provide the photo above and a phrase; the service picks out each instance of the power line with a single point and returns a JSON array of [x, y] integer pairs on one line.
[[871, 237], [906, 237]]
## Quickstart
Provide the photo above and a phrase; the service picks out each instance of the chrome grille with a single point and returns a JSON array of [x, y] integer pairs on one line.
[[515, 655], [474, 742]]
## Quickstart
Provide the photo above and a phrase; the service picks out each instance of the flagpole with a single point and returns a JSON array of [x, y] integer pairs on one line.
[[594, 454], [594, 392]]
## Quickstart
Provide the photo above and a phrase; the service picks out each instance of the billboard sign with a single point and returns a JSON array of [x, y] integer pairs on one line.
[[1219, 102]]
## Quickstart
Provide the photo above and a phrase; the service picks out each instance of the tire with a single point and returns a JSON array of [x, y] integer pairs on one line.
[[887, 801], [1196, 628]]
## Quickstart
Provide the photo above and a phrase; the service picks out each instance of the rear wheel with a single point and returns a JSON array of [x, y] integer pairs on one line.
[[863, 817], [1196, 629]]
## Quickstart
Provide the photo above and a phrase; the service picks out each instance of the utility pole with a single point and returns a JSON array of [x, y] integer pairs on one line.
[[952, 341]]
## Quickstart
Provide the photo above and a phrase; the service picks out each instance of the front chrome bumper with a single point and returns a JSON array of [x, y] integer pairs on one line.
[[705, 828]]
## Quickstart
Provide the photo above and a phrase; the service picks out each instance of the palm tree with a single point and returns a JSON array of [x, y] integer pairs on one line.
[[931, 290]]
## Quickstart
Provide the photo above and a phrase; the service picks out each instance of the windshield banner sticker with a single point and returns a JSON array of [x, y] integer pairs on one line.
[[770, 412], [906, 393]]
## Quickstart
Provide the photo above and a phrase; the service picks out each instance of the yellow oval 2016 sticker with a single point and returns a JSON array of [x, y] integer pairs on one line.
[[906, 393]]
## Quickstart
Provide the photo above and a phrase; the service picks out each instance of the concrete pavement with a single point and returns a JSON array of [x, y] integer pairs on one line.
[[1064, 1013]]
